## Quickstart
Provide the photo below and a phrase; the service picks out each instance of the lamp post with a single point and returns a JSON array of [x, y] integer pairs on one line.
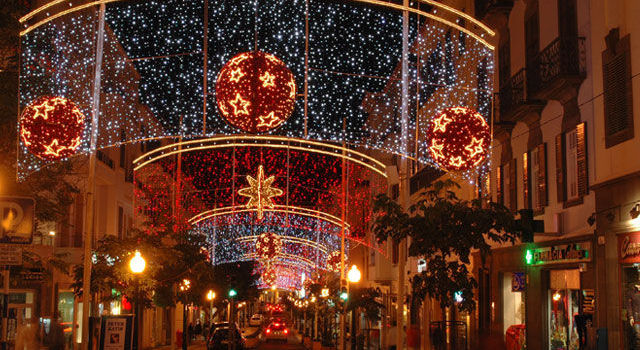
[[353, 276], [232, 329], [210, 296], [137, 264], [52, 235], [185, 285]]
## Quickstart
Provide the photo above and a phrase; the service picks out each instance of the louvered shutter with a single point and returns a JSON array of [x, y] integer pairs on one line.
[[542, 175], [525, 180], [581, 155], [560, 169], [513, 194], [618, 94]]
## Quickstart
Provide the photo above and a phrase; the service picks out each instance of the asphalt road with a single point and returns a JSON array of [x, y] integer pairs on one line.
[[292, 344]]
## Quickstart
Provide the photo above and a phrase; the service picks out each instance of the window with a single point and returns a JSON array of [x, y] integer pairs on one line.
[[507, 185], [535, 182], [572, 164], [618, 89]]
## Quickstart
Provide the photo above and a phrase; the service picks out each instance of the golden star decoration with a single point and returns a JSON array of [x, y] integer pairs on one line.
[[268, 120], [260, 192], [267, 79], [475, 147], [236, 74], [440, 123], [239, 105]]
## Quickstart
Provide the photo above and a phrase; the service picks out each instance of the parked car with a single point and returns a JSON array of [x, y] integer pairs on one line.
[[222, 337], [256, 320], [276, 331]]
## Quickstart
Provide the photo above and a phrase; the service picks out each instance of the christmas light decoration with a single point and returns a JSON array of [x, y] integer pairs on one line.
[[459, 139], [268, 245], [260, 192], [269, 276], [334, 261], [153, 81], [51, 127], [255, 91]]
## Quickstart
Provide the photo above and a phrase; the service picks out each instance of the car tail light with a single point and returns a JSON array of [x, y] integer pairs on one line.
[[268, 331], [277, 324], [286, 331]]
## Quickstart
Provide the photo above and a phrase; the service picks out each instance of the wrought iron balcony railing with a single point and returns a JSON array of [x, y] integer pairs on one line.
[[563, 58]]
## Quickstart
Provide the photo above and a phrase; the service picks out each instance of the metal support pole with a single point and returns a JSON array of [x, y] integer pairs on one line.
[[89, 227], [184, 326], [205, 65], [404, 175]]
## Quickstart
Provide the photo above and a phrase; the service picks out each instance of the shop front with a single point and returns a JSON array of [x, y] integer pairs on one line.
[[560, 295], [629, 258]]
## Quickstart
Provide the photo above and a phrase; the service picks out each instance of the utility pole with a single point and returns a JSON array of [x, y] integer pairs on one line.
[[404, 175], [89, 227]]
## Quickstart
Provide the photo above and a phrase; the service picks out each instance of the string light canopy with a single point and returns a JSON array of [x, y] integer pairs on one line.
[[255, 92], [159, 74], [51, 127], [459, 139]]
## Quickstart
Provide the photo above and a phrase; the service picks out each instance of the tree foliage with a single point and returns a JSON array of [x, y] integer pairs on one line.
[[445, 230]]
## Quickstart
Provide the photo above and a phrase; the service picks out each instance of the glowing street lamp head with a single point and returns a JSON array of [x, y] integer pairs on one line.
[[137, 263], [354, 274], [211, 295]]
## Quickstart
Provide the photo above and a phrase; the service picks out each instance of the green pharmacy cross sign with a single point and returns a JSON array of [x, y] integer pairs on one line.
[[559, 254]]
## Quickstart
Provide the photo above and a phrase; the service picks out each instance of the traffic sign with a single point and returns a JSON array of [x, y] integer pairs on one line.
[[10, 255], [16, 220]]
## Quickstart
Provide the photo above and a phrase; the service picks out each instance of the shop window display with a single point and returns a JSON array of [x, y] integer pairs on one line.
[[513, 307], [631, 306], [564, 306]]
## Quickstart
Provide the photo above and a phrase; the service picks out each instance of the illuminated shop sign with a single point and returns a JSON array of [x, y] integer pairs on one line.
[[629, 248], [559, 254]]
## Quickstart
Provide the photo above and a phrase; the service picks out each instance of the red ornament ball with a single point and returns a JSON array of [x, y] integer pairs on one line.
[[255, 92], [458, 139], [51, 127], [269, 276], [334, 261], [268, 245]]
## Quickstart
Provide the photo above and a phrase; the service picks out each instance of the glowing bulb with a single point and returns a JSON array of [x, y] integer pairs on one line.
[[137, 263]]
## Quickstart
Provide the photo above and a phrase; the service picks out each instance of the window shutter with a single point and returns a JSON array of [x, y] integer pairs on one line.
[[513, 195], [542, 175], [581, 155], [618, 91], [525, 180], [499, 185], [560, 168]]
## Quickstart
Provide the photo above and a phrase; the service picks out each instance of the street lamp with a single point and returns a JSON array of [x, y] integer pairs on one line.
[[185, 285], [353, 276], [210, 296], [137, 266]]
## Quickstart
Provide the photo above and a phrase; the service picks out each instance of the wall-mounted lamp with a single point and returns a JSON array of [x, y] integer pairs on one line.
[[635, 211], [591, 219]]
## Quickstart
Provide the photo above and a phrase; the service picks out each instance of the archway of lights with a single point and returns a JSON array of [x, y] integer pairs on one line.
[[264, 91], [319, 191], [155, 70]]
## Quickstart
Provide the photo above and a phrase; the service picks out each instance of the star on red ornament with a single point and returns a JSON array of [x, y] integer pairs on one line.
[[236, 74], [42, 110], [475, 147], [440, 123], [456, 162], [260, 192], [269, 120], [267, 79], [436, 149], [239, 105]]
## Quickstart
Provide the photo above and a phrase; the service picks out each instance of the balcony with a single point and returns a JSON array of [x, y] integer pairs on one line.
[[514, 101], [561, 69], [488, 7]]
